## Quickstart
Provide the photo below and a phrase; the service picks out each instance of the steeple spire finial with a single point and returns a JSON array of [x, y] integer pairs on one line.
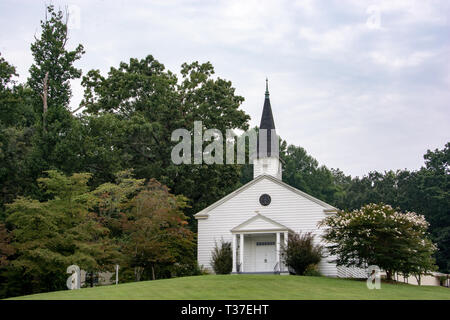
[[267, 159]]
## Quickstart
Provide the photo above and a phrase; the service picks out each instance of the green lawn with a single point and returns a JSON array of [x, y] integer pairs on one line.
[[223, 287]]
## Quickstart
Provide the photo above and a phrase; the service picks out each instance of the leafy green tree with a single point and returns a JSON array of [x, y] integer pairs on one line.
[[6, 249], [51, 58], [49, 236], [100, 152], [434, 183], [425, 190], [15, 99], [57, 140], [303, 172], [15, 148], [7, 273], [156, 233], [148, 103], [16, 115], [111, 202], [379, 235], [419, 261]]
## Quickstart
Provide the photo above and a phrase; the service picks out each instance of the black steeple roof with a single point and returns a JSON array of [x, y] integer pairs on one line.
[[266, 123], [267, 116]]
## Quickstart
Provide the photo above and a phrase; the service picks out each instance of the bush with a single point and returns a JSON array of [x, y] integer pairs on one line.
[[301, 252], [312, 271], [202, 270], [222, 260]]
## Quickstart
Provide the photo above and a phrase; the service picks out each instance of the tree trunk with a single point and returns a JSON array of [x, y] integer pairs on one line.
[[388, 275], [44, 101], [137, 274], [153, 273], [418, 279], [92, 279]]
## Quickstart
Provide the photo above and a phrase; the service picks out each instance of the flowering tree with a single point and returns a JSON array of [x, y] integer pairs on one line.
[[379, 235]]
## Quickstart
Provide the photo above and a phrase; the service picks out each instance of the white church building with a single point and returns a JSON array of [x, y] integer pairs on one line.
[[258, 217]]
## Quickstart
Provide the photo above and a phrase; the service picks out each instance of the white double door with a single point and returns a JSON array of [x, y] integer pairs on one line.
[[265, 254]]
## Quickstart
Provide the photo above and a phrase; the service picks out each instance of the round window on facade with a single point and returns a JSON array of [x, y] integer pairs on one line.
[[265, 199]]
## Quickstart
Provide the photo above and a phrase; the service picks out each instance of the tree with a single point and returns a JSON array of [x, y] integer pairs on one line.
[[16, 116], [57, 135], [6, 249], [221, 258], [303, 172], [301, 252], [147, 103], [49, 236], [379, 235], [425, 190], [51, 58], [156, 233], [16, 108], [434, 184], [111, 201]]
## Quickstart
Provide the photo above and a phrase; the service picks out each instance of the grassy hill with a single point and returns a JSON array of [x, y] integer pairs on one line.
[[223, 287]]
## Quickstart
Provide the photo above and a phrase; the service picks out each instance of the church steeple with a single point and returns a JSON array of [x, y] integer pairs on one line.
[[267, 116], [267, 161]]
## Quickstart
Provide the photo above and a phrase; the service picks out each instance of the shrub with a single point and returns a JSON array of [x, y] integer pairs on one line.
[[312, 271], [301, 252], [222, 260], [202, 270]]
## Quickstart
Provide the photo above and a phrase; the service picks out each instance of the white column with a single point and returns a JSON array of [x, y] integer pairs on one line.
[[233, 249], [278, 249], [285, 239], [241, 253]]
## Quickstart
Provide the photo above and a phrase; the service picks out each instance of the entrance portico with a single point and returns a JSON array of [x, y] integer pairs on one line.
[[256, 246]]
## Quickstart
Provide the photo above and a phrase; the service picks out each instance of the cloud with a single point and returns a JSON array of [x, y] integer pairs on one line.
[[337, 39], [357, 97], [411, 60]]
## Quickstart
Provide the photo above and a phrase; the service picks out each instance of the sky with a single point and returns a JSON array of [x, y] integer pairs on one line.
[[361, 85]]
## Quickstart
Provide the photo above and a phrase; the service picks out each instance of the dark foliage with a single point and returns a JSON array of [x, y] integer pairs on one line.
[[221, 259], [301, 252]]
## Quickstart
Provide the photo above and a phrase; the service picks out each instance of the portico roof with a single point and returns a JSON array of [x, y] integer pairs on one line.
[[260, 223]]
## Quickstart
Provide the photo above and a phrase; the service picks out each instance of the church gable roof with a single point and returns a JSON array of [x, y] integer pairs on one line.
[[203, 214]]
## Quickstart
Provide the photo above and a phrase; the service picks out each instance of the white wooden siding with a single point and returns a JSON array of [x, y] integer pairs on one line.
[[287, 208], [351, 272]]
